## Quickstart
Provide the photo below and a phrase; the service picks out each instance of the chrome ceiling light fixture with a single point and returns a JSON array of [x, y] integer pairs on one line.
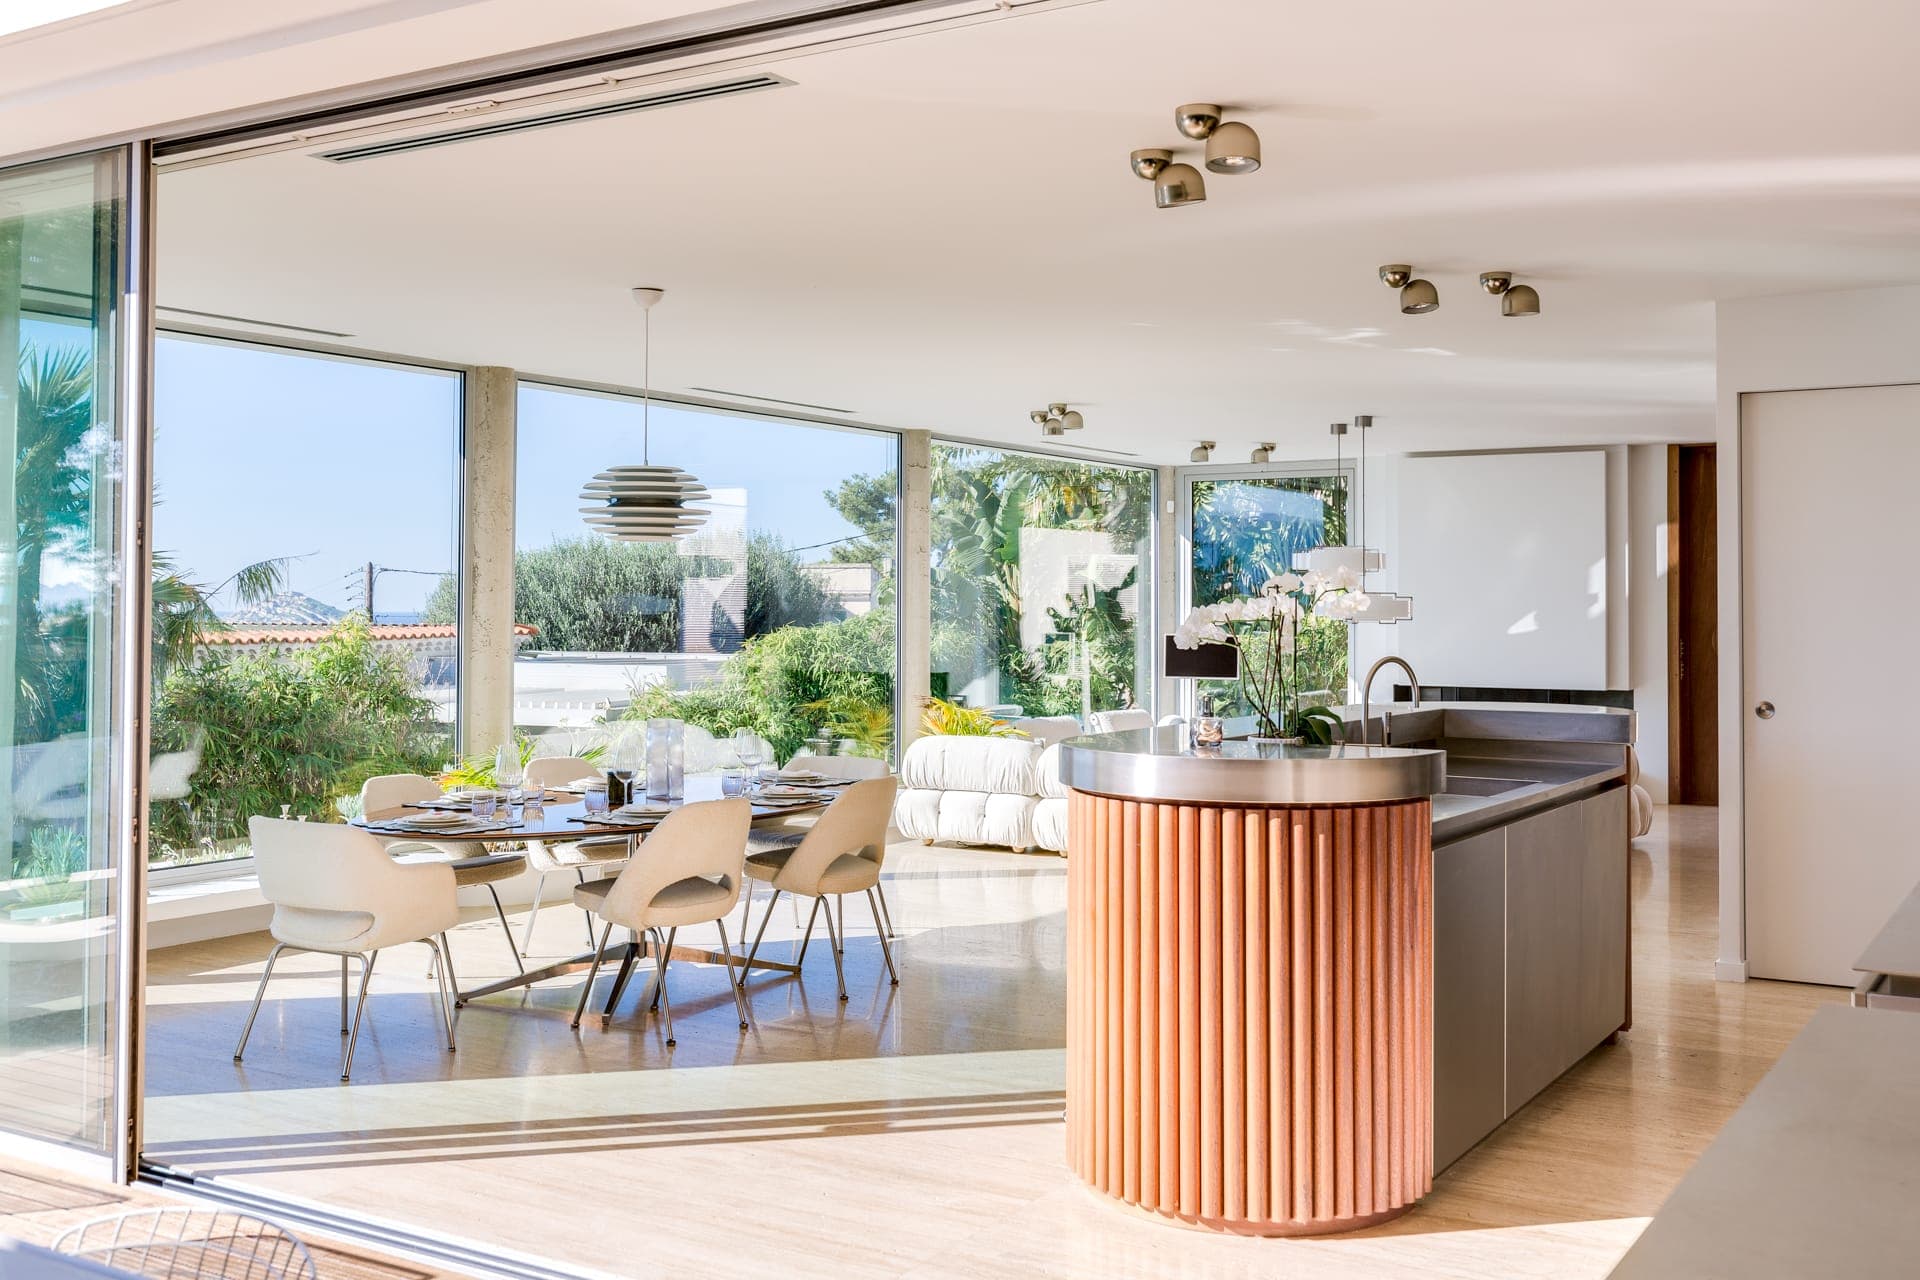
[[1232, 147], [1202, 452], [1057, 419], [646, 503], [1177, 185], [1262, 453], [1417, 297], [1515, 299], [1173, 184]]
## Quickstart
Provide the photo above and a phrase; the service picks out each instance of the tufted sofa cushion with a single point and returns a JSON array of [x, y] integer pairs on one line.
[[1047, 730], [1117, 721], [998, 766]]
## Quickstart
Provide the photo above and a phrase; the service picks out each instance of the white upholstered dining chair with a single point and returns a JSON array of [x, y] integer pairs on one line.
[[548, 856], [773, 837], [688, 872], [839, 854], [471, 869], [336, 891]]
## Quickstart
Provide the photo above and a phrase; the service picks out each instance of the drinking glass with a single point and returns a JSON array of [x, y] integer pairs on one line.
[[485, 806], [746, 745], [733, 782], [534, 811], [596, 800]]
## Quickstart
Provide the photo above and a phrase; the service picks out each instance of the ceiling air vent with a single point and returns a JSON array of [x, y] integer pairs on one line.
[[595, 111]]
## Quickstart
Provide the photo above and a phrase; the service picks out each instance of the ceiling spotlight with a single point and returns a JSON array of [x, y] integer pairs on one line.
[[1515, 299], [1232, 147], [1417, 297], [1196, 120], [1202, 452], [1148, 162], [1262, 453], [1179, 184]]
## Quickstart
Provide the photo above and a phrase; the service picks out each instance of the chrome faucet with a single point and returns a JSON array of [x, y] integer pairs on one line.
[[1366, 694]]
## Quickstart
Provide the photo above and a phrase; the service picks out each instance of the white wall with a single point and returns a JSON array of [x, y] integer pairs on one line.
[[1848, 338], [1507, 558]]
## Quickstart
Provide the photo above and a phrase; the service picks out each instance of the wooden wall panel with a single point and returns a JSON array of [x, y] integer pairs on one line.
[[1250, 1011]]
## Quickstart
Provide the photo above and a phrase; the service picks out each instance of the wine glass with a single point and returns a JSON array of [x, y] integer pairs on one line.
[[508, 772], [746, 745]]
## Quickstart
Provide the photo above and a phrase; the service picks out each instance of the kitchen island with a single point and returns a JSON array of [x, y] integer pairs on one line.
[[1292, 993]]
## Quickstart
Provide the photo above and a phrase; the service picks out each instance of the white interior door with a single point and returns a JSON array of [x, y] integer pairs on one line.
[[1830, 522]]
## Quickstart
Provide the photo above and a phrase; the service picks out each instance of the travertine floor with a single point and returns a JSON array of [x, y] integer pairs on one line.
[[913, 1131]]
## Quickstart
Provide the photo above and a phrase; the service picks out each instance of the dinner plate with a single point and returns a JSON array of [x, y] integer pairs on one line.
[[437, 819], [644, 810], [800, 775]]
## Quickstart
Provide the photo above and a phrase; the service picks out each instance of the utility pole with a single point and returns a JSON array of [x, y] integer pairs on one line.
[[372, 573]]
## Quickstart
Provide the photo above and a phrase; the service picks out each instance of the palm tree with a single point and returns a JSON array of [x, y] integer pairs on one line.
[[183, 609]]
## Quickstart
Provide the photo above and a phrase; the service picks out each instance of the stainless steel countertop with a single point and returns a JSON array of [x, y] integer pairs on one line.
[[1157, 764]]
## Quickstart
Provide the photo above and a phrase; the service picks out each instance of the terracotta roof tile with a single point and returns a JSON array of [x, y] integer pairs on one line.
[[314, 634]]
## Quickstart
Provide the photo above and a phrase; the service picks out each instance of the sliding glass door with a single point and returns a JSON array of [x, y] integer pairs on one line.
[[66, 658]]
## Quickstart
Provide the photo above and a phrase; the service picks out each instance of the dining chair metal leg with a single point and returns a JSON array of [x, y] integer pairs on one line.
[[619, 987], [359, 1011], [453, 979], [671, 935], [886, 949], [833, 942], [726, 954], [593, 971], [746, 911], [885, 911], [446, 993], [580, 874], [260, 992], [533, 913], [755, 949], [840, 937], [506, 928], [666, 1001], [343, 995], [807, 937]]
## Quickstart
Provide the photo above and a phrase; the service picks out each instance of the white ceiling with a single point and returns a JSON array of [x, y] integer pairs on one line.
[[942, 231]]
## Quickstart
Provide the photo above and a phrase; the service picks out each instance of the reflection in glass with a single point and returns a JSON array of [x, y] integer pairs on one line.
[[59, 601], [1245, 531], [1042, 572], [775, 620]]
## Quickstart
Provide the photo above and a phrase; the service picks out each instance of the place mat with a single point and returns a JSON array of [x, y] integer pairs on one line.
[[400, 827], [619, 819]]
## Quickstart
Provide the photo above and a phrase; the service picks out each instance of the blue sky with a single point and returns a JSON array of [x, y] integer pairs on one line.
[[263, 453]]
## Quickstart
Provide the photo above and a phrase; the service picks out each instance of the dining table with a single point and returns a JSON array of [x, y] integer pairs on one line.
[[564, 818]]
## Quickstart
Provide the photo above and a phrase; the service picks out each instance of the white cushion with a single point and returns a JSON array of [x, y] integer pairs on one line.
[[1046, 775], [995, 765], [1118, 721], [1050, 824], [1046, 730]]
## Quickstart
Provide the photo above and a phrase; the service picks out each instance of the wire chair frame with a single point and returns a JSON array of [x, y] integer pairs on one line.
[[190, 1244]]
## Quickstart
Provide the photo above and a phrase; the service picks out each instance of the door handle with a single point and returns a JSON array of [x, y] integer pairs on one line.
[[1764, 711]]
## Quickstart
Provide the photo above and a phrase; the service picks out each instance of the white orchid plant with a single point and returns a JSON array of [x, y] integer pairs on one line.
[[1265, 628]]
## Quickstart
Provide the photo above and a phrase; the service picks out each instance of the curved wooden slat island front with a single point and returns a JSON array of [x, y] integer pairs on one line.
[[1250, 980]]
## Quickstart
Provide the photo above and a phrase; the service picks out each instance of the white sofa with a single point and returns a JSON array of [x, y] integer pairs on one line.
[[968, 790]]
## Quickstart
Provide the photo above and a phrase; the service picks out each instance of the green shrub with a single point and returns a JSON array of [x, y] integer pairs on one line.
[[304, 728], [788, 685]]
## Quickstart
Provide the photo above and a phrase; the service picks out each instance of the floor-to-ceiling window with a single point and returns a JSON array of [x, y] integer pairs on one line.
[[1246, 528], [306, 512], [1042, 582], [777, 615]]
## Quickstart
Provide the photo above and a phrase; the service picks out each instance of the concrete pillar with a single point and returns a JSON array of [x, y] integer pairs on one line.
[[913, 582], [486, 560], [1170, 564]]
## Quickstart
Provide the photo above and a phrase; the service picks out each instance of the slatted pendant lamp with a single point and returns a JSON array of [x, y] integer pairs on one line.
[[646, 503]]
